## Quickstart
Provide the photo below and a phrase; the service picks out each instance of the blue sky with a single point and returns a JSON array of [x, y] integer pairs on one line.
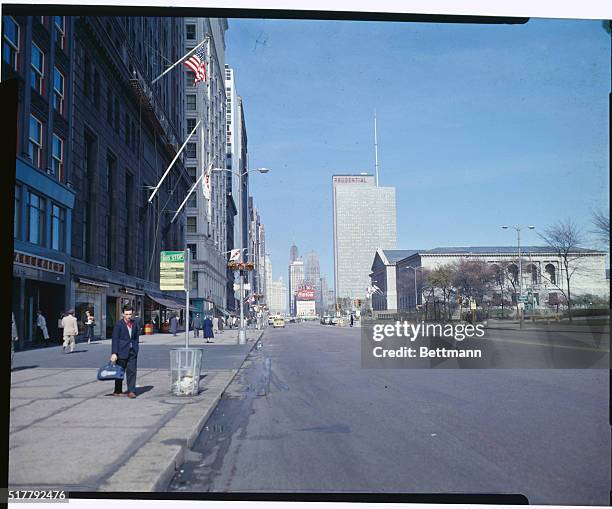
[[478, 126]]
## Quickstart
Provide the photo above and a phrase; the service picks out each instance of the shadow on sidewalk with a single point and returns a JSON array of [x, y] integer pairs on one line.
[[144, 389], [21, 368]]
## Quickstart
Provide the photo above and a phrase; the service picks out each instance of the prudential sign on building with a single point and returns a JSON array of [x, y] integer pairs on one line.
[[172, 270]]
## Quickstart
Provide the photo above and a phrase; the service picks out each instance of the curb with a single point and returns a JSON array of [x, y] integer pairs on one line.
[[175, 458]]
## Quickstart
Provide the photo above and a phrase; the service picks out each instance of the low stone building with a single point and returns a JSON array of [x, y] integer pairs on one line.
[[398, 275]]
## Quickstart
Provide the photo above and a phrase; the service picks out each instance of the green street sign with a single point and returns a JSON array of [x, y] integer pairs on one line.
[[172, 270]]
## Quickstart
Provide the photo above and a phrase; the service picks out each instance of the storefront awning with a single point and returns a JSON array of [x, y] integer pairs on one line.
[[223, 311], [132, 291], [92, 283], [170, 303]]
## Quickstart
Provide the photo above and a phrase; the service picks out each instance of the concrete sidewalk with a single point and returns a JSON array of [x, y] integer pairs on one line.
[[68, 432]]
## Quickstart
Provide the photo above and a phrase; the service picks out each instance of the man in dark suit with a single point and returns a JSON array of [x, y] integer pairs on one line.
[[125, 350]]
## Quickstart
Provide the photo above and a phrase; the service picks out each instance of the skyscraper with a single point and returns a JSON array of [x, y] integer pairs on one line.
[[293, 253], [364, 220], [278, 297], [296, 278], [312, 275]]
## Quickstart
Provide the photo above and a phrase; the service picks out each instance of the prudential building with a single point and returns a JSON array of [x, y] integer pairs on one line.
[[364, 221]]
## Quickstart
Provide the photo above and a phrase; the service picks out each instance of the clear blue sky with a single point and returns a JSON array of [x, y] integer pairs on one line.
[[478, 126]]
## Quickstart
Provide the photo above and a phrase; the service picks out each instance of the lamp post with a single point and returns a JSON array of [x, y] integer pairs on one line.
[[520, 264], [242, 331], [415, 283]]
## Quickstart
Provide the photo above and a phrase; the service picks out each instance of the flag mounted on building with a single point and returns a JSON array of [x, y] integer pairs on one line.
[[234, 255], [197, 64], [206, 184]]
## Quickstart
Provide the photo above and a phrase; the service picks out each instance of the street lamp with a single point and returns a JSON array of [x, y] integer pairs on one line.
[[415, 283], [520, 267], [242, 331]]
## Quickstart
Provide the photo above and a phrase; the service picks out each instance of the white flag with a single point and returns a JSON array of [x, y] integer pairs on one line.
[[234, 255], [206, 186]]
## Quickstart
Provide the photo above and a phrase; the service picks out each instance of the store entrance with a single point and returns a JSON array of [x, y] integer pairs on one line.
[[111, 315], [49, 298]]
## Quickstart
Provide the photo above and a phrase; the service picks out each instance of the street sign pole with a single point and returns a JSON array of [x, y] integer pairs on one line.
[[187, 286]]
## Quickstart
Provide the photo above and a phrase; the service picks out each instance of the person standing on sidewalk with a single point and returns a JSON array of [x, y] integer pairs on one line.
[[215, 322], [173, 325], [90, 320], [71, 330], [124, 349], [14, 336], [208, 329], [43, 332], [221, 324], [197, 325]]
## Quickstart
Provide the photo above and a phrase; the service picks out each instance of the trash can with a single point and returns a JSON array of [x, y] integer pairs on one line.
[[148, 329], [185, 368]]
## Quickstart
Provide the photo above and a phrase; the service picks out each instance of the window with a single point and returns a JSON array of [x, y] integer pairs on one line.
[[191, 102], [194, 280], [96, 89], [191, 170], [551, 273], [17, 216], [36, 219], [58, 227], [191, 32], [194, 251], [191, 150], [58, 157], [117, 113], [35, 144], [10, 42], [59, 30], [109, 106], [58, 91], [191, 123], [37, 75], [190, 78], [192, 202], [192, 225]]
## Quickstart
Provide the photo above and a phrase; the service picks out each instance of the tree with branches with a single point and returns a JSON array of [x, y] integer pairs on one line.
[[601, 226], [442, 278], [565, 239]]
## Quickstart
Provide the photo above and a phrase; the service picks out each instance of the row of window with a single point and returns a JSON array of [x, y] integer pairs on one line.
[[11, 52], [36, 146], [39, 211], [11, 39]]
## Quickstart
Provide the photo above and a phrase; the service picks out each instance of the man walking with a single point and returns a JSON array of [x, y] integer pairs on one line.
[[197, 325], [125, 351], [71, 330], [43, 332], [215, 322], [208, 329]]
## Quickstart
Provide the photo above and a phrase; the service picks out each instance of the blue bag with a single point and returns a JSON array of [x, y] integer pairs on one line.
[[110, 372]]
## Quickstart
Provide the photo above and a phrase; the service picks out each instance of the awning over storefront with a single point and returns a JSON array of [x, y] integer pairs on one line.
[[223, 311], [92, 282], [133, 291], [170, 303]]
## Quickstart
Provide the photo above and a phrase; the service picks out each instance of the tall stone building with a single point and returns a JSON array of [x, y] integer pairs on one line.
[[312, 276]]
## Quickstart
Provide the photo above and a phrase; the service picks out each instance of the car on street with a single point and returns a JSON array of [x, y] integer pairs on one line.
[[271, 320], [324, 320], [278, 322]]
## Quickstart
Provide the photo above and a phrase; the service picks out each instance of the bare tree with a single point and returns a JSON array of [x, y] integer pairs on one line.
[[473, 278], [565, 238], [442, 278], [601, 226]]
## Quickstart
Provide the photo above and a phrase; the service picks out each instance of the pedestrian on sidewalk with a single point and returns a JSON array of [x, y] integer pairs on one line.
[[173, 325], [125, 351], [90, 320], [14, 336], [215, 322], [352, 320], [197, 325], [221, 324], [208, 329], [71, 330], [43, 332]]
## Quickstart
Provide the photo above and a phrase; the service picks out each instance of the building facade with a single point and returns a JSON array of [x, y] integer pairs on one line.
[[543, 274], [207, 219], [364, 218], [312, 276], [296, 279], [278, 297]]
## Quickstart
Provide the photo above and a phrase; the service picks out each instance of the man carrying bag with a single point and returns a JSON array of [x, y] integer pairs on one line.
[[125, 351]]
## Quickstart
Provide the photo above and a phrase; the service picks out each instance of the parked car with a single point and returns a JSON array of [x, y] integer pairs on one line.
[[324, 319], [271, 320], [278, 322]]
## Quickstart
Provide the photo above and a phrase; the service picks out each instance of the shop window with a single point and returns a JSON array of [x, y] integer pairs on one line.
[[36, 219]]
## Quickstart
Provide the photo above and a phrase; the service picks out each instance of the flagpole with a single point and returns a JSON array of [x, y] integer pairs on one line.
[[172, 163], [186, 198], [180, 60]]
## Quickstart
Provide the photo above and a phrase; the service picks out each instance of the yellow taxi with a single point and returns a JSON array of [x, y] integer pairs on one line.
[[279, 321]]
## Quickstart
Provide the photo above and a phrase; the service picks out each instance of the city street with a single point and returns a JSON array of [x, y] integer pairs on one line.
[[303, 416]]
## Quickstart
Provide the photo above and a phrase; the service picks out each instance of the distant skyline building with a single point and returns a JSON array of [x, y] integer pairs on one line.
[[296, 278], [312, 274], [278, 297], [293, 253], [364, 218]]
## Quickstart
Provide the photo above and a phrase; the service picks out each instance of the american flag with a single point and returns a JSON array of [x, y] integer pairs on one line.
[[196, 63]]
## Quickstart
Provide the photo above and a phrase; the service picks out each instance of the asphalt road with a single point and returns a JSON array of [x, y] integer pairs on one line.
[[304, 416]]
